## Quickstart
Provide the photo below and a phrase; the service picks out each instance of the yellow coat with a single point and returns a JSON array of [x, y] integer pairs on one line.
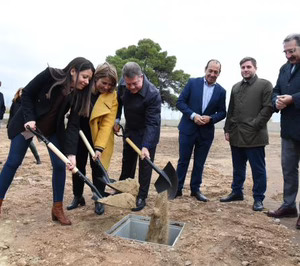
[[101, 122]]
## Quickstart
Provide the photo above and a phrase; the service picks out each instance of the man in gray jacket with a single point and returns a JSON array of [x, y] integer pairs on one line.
[[250, 109]]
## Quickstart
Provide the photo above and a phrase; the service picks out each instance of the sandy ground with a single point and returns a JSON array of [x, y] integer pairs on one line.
[[214, 234]]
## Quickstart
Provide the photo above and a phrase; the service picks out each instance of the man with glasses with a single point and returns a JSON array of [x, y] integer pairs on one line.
[[286, 99], [142, 107]]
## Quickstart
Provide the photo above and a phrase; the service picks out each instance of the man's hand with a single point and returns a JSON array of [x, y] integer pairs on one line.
[[283, 101], [205, 119], [72, 164], [201, 120], [145, 153], [226, 136]]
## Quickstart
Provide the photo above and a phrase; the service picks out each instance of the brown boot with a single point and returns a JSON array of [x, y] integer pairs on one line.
[[1, 200], [58, 214]]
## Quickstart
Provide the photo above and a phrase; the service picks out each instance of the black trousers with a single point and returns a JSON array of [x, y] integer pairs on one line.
[[81, 161], [129, 161]]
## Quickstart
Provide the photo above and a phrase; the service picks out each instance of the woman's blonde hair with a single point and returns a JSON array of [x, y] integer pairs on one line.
[[107, 70]]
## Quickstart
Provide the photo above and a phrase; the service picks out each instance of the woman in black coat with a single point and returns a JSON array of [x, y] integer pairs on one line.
[[45, 101], [15, 105]]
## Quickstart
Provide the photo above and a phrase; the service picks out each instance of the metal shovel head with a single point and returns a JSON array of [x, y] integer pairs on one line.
[[161, 184]]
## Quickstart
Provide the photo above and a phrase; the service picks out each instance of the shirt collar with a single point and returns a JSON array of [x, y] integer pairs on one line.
[[250, 81], [209, 85]]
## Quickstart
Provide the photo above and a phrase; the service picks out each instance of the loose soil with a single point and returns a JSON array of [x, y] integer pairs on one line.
[[159, 224], [215, 233]]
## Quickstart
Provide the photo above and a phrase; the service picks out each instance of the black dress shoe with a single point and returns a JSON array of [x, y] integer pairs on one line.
[[258, 206], [199, 196], [232, 197], [99, 208], [140, 204], [283, 212], [76, 201], [178, 194]]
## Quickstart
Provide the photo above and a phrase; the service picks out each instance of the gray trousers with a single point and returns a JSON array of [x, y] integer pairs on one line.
[[290, 156]]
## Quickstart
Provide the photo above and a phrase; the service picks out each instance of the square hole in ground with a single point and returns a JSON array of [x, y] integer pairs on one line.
[[136, 228]]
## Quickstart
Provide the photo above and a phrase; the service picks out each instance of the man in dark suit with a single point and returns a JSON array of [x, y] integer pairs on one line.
[[202, 103], [286, 99], [142, 106]]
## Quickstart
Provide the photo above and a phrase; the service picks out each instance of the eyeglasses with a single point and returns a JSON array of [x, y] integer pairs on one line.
[[290, 51]]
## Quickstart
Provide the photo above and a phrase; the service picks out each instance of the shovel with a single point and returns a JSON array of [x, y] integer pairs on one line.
[[167, 179], [60, 155], [105, 179], [96, 194]]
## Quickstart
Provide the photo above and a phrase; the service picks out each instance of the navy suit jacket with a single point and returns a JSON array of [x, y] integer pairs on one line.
[[288, 83], [190, 101]]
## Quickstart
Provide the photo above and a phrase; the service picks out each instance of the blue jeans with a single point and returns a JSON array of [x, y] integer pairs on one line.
[[18, 148], [256, 157]]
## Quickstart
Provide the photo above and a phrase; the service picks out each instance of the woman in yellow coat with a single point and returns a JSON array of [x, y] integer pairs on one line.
[[99, 131], [104, 113]]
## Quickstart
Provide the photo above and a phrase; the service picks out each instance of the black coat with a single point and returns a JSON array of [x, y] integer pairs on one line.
[[288, 83], [15, 105], [35, 104], [2, 106], [142, 112]]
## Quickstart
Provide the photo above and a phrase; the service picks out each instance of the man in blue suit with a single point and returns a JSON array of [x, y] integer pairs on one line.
[[286, 99], [202, 103]]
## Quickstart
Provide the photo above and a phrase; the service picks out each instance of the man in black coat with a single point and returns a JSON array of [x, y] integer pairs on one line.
[[142, 107], [286, 99]]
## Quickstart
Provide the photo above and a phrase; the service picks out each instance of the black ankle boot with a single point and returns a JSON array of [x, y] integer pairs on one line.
[[99, 208], [76, 201]]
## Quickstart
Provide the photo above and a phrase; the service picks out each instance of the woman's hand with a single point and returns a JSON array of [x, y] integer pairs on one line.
[[31, 124], [116, 128], [97, 155], [72, 164]]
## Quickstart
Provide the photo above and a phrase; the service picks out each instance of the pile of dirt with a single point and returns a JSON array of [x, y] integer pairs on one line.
[[129, 185], [123, 200]]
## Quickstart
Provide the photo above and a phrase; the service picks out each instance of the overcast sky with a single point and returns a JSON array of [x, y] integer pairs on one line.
[[34, 33]]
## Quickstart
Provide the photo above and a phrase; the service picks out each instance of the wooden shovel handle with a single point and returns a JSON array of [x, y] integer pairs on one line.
[[61, 156], [87, 144], [133, 146]]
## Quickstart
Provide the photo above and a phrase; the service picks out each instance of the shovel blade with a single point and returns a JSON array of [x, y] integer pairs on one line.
[[162, 184]]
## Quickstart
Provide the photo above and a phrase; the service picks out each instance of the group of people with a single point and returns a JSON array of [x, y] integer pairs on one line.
[[90, 99], [252, 103], [87, 98]]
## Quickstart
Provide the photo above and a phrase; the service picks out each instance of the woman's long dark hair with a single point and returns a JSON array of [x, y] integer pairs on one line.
[[81, 98]]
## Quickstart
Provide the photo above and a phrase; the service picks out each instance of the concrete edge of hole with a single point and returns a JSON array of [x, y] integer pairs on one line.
[[135, 227]]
